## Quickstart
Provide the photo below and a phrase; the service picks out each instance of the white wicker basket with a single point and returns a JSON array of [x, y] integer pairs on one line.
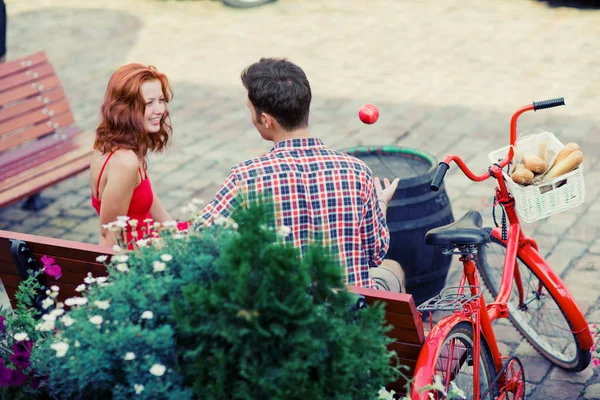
[[541, 200]]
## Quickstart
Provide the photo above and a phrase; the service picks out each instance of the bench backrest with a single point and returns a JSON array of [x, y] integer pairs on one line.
[[76, 260], [32, 101], [407, 328]]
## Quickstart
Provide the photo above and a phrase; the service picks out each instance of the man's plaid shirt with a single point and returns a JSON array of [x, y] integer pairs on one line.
[[318, 192]]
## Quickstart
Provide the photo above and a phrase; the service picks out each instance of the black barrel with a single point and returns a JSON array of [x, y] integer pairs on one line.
[[413, 211]]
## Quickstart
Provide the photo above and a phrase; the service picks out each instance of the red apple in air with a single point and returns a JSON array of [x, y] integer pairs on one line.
[[368, 114]]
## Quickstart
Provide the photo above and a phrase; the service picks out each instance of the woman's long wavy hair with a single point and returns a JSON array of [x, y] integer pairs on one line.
[[122, 113]]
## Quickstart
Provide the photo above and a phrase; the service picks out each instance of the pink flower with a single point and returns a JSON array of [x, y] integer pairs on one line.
[[51, 268]]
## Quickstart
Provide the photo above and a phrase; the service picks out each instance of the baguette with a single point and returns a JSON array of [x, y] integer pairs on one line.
[[522, 175], [565, 151], [567, 164], [534, 163]]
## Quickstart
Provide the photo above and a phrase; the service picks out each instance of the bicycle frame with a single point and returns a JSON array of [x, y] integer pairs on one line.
[[517, 245]]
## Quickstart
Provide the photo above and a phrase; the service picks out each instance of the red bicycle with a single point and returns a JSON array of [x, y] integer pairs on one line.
[[461, 348]]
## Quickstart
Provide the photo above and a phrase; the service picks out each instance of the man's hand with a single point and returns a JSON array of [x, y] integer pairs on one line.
[[387, 193]]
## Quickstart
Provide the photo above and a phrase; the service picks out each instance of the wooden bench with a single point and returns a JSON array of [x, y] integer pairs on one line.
[[20, 252], [40, 144], [407, 328]]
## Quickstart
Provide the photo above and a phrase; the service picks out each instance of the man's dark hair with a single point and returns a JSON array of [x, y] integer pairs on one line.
[[279, 87]]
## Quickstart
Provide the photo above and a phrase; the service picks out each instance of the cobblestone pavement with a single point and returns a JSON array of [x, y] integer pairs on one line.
[[446, 77]]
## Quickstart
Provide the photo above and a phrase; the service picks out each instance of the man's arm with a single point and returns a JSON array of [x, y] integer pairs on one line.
[[222, 205], [374, 230]]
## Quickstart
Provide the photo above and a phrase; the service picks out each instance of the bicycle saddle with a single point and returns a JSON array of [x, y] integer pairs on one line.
[[466, 230]]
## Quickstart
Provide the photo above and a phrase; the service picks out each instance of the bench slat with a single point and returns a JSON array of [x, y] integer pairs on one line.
[[32, 103], [30, 61], [36, 131], [25, 91], [45, 178], [409, 351], [29, 75], [35, 117], [84, 151], [28, 156]]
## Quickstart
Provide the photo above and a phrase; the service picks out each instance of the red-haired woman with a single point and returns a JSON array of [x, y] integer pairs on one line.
[[134, 121]]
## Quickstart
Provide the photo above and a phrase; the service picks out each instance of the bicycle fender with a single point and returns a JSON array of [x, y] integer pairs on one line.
[[534, 260]]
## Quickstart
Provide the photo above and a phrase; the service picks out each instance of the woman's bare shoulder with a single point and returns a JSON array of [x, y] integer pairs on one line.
[[125, 159]]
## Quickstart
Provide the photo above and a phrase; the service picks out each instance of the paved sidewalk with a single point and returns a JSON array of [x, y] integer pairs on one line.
[[446, 76]]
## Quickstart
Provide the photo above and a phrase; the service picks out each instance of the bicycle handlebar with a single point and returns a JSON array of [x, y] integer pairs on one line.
[[540, 105], [444, 165], [438, 178]]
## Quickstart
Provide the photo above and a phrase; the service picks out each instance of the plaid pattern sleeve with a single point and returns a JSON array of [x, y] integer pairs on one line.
[[224, 202], [374, 231]]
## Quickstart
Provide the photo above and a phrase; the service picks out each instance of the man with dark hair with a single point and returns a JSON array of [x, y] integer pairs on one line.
[[318, 193]]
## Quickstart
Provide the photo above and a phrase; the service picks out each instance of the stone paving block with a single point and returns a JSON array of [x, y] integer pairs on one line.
[[556, 390], [536, 369], [565, 252], [559, 374], [592, 392]]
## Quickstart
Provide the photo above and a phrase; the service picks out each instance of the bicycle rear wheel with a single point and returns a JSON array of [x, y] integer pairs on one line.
[[455, 361], [542, 322]]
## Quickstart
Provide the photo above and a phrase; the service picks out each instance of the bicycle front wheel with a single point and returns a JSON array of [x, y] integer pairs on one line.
[[455, 361], [541, 321]]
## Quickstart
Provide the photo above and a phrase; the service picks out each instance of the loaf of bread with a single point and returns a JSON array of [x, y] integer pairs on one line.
[[534, 163], [522, 175], [565, 151], [567, 164]]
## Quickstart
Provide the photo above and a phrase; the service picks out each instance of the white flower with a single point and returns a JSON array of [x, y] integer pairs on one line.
[[123, 218], [57, 312], [80, 288], [159, 266], [147, 315], [284, 230], [96, 320], [54, 295], [156, 225], [219, 220], [49, 317], [134, 234], [107, 226], [89, 279], [19, 337], [47, 302], [129, 356], [158, 370], [60, 348], [178, 236], [47, 325], [101, 258], [68, 321], [142, 243], [116, 248], [54, 288], [122, 267], [76, 301], [168, 224], [102, 304], [166, 257], [138, 388], [77, 344], [121, 258], [101, 279], [133, 223], [121, 224]]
